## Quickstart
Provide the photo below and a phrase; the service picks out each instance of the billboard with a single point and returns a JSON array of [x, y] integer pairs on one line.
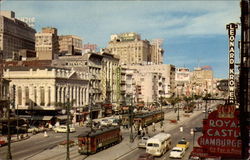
[[221, 132]]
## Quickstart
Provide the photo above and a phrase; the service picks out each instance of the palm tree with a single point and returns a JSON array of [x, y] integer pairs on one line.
[[173, 101]]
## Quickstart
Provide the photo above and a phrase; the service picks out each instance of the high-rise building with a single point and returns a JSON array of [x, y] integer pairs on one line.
[[70, 45], [133, 50], [157, 51], [14, 35], [47, 45], [130, 48]]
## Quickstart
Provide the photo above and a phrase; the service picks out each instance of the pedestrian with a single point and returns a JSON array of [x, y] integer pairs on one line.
[[45, 134], [153, 127]]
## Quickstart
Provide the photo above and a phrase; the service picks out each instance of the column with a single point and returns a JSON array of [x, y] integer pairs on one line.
[[70, 94], [23, 96], [16, 97], [58, 96], [53, 95], [31, 95], [80, 100], [77, 96], [74, 95], [85, 96], [46, 96], [63, 94], [38, 89]]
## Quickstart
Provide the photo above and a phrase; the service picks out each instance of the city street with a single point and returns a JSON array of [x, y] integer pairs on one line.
[[37, 143], [43, 148], [176, 136]]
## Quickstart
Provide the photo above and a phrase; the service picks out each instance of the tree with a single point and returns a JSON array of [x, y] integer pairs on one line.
[[173, 100]]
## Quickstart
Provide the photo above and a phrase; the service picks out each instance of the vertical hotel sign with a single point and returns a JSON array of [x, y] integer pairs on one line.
[[231, 83]]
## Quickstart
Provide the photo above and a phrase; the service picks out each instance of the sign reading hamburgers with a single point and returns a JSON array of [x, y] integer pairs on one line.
[[221, 132]]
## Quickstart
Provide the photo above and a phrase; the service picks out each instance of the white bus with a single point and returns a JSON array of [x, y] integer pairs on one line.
[[158, 144]]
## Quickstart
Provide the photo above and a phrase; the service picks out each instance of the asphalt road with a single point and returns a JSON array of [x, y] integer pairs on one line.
[[176, 136], [36, 144]]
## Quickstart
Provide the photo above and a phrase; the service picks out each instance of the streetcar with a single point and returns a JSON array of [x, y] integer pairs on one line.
[[144, 119], [94, 141]]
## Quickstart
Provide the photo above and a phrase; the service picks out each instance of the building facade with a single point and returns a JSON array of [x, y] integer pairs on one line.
[[130, 48], [47, 44], [70, 45], [167, 72], [45, 90], [14, 35], [133, 50]]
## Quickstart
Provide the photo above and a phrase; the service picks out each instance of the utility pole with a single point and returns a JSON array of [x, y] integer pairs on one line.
[[68, 130], [178, 112], [9, 157], [129, 102]]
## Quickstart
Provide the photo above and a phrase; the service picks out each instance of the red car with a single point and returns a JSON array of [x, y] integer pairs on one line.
[[146, 156], [2, 142]]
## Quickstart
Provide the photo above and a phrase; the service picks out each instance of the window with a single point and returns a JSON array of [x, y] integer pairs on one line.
[[49, 94], [27, 100], [19, 93], [42, 96]]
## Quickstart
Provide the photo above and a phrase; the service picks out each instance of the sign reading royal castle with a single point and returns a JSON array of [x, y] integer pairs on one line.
[[221, 133]]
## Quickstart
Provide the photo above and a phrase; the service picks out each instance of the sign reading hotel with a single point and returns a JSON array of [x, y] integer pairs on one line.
[[221, 132], [231, 84]]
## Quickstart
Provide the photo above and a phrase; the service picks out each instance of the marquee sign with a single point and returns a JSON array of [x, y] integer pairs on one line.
[[221, 132], [231, 33]]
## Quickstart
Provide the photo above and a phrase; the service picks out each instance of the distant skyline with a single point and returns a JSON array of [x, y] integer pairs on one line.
[[194, 32]]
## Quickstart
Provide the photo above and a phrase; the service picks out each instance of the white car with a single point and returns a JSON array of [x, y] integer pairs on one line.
[[142, 143], [177, 152], [105, 122], [63, 129]]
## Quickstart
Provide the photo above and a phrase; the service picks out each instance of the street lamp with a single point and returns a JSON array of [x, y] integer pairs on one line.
[[178, 112]]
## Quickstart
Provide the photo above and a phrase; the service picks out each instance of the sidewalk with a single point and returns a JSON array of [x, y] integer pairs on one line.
[[119, 150]]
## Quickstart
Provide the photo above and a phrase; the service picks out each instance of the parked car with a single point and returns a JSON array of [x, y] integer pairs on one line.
[[33, 129], [2, 142], [105, 122], [183, 144], [177, 152], [146, 156], [143, 141], [114, 121], [63, 129]]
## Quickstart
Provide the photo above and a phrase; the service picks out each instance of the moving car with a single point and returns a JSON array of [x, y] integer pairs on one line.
[[183, 144], [146, 156], [158, 144], [177, 152], [143, 141], [63, 129]]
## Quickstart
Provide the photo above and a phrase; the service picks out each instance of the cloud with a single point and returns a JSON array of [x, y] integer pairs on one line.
[[95, 21]]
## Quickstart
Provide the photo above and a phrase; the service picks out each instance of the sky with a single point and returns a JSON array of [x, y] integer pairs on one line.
[[194, 31]]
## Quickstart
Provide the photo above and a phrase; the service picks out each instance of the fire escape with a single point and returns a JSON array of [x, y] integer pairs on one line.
[[245, 77]]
